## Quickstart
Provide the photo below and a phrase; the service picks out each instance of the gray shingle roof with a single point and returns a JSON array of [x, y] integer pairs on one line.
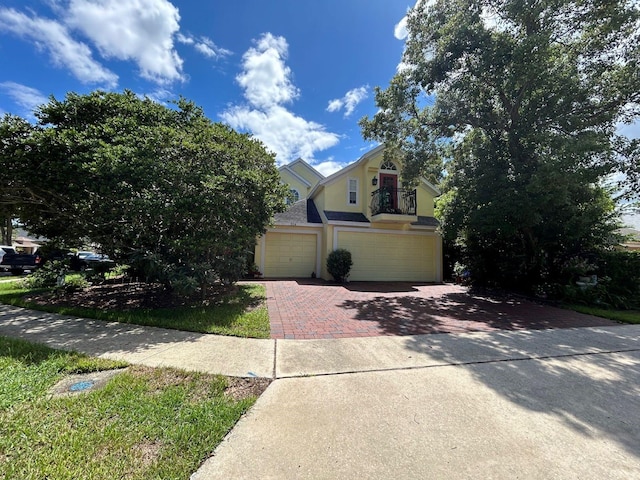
[[303, 211], [346, 216]]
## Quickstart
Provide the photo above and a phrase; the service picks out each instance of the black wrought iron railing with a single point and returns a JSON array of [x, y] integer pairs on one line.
[[398, 201]]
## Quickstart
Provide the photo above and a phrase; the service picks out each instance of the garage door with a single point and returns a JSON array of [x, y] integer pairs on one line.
[[290, 255], [390, 257]]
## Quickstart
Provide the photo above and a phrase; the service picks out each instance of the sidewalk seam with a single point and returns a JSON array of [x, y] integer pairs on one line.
[[275, 356], [456, 364]]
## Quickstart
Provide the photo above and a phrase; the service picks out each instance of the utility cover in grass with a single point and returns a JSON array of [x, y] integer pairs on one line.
[[82, 383]]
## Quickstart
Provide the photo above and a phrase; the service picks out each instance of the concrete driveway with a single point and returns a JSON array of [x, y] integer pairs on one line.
[[314, 309], [536, 404]]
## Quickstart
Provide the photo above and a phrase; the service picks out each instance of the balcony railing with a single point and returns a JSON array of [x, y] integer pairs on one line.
[[397, 201]]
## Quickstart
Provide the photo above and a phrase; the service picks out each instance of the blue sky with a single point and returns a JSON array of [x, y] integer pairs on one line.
[[296, 74]]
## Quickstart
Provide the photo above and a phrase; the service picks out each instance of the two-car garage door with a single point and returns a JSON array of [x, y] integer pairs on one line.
[[290, 255], [391, 256]]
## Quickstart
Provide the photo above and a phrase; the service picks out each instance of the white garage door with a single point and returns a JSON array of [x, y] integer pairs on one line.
[[390, 257], [290, 255]]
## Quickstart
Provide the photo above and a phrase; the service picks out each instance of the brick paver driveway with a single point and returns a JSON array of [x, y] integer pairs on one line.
[[316, 309]]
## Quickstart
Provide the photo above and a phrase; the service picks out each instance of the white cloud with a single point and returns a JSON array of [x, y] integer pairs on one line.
[[265, 77], [329, 167], [210, 49], [204, 45], [52, 36], [266, 81], [138, 30], [400, 30], [350, 100], [286, 134], [186, 39], [27, 97]]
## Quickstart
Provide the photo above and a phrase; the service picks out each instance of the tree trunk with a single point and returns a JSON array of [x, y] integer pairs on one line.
[[6, 230]]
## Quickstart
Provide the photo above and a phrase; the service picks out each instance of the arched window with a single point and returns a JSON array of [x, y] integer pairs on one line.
[[387, 165], [293, 197]]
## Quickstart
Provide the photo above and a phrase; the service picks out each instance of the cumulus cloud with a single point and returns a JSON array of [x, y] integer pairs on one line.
[[350, 100], [266, 79], [267, 85], [141, 31], [400, 30], [204, 45], [55, 38], [27, 97], [286, 134], [329, 167], [137, 30]]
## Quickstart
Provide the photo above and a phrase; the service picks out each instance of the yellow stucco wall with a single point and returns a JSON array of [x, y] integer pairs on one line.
[[293, 182], [335, 194], [306, 173]]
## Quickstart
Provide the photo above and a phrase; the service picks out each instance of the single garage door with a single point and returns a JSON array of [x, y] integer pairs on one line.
[[390, 257], [290, 255]]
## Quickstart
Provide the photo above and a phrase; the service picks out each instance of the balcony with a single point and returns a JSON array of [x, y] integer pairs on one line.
[[393, 205]]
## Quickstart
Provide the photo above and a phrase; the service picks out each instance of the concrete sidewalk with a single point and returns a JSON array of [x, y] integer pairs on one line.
[[534, 404], [247, 357]]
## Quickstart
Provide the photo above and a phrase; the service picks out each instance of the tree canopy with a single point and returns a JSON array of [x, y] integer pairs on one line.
[[166, 190], [515, 105]]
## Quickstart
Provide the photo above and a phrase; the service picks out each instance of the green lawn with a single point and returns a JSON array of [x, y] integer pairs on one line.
[[145, 423], [625, 316], [242, 314]]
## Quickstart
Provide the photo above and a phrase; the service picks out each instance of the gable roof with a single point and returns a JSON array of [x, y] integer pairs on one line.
[[303, 211], [295, 175], [307, 166], [364, 158]]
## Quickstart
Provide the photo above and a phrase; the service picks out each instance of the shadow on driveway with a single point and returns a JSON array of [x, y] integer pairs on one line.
[[311, 309]]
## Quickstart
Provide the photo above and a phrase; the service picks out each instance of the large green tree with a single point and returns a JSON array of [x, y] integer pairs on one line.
[[164, 189], [14, 135], [518, 103]]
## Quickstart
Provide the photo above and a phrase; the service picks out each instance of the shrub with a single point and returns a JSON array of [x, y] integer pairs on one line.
[[47, 275], [618, 280], [74, 283], [339, 264]]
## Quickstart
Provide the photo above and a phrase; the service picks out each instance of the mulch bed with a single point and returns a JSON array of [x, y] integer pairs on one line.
[[127, 296]]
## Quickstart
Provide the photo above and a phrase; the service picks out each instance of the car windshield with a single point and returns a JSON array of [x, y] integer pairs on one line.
[[7, 250]]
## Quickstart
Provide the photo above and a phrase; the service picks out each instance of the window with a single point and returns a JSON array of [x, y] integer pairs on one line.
[[353, 191], [387, 165], [293, 197]]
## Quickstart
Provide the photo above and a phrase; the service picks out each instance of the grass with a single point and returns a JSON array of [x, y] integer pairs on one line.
[[625, 316], [242, 314], [145, 423]]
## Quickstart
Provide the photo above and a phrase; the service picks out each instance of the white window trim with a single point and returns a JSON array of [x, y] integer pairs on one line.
[[349, 191], [297, 192]]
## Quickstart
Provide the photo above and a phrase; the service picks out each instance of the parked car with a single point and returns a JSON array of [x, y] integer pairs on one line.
[[98, 258], [15, 262], [83, 260]]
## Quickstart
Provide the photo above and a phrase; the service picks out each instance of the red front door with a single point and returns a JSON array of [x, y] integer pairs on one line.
[[389, 191]]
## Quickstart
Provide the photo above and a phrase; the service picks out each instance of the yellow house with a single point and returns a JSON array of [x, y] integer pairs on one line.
[[390, 230]]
